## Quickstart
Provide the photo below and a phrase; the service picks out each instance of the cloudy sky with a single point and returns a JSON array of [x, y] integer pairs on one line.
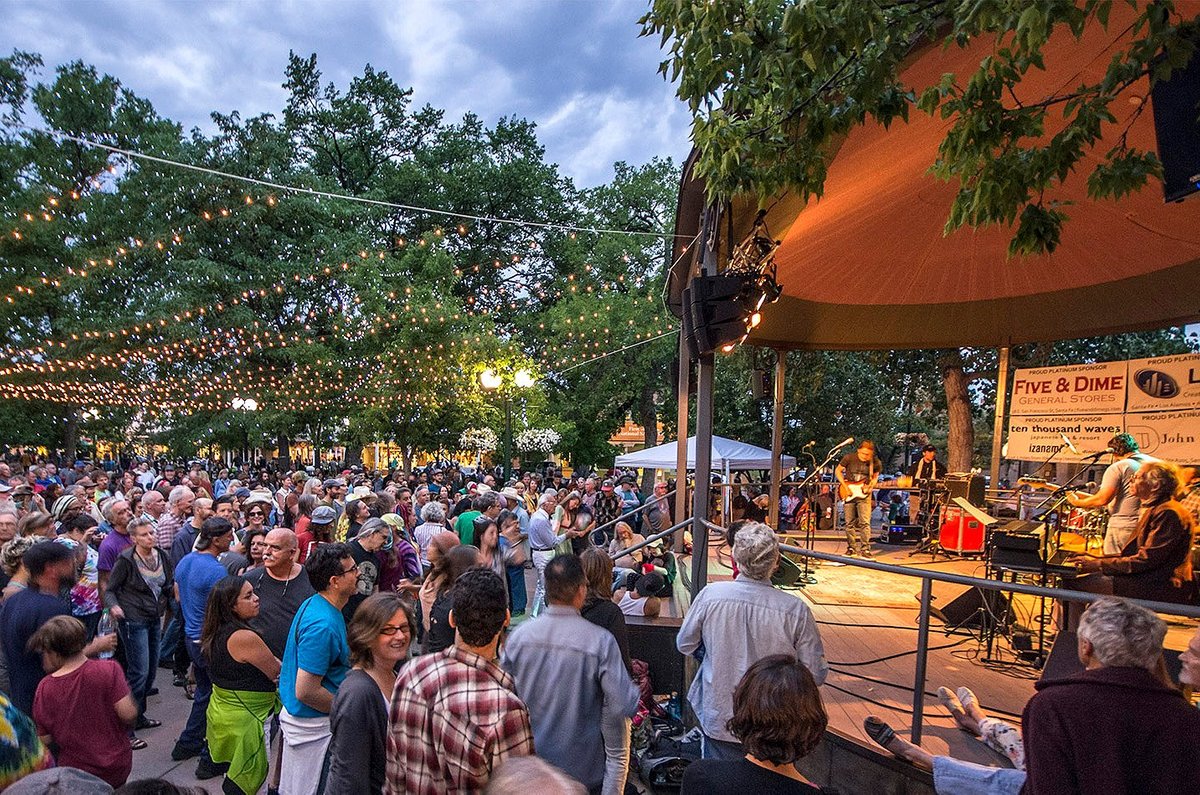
[[575, 67]]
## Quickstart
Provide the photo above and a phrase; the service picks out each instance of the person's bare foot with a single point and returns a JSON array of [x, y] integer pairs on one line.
[[883, 734], [958, 710]]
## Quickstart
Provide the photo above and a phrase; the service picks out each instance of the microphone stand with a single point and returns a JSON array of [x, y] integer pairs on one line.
[[807, 485]]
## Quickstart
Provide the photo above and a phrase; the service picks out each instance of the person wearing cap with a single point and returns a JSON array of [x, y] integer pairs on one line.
[[25, 499], [400, 565], [195, 577], [924, 471], [319, 530], [607, 505], [6, 498], [718, 622], [641, 599], [64, 509]]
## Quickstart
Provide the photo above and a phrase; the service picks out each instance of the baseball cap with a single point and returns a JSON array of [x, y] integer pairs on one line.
[[60, 780], [607, 484], [650, 584], [242, 493], [928, 449], [323, 514], [23, 489], [334, 483], [4, 488]]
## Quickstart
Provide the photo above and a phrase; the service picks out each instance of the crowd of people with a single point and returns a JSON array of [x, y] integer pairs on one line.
[[347, 632], [347, 622]]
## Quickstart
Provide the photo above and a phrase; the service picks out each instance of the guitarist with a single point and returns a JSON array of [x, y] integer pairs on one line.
[[856, 474]]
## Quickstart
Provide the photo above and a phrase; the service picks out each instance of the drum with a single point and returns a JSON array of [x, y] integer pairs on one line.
[[960, 533]]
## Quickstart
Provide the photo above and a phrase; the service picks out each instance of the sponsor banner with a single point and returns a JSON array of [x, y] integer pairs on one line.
[[1070, 390], [1166, 383], [1170, 435], [1036, 438]]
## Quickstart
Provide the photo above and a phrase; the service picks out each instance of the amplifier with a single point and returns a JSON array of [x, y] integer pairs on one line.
[[902, 534], [969, 486]]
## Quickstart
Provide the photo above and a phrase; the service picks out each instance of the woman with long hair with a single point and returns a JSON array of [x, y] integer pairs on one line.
[[351, 521], [380, 634], [441, 634], [245, 676], [138, 591], [440, 544], [510, 530], [495, 551], [564, 520], [623, 539]]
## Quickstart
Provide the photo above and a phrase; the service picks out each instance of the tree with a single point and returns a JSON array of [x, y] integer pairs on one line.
[[772, 84]]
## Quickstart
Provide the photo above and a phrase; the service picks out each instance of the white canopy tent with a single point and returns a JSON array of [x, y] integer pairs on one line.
[[727, 455]]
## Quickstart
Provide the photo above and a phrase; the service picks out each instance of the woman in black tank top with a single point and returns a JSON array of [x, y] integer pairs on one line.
[[244, 674]]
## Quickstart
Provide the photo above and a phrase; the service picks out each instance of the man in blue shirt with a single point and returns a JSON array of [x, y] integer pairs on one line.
[[195, 577], [570, 674], [315, 661], [51, 567]]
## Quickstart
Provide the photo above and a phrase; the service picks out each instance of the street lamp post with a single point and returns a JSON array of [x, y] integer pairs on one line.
[[493, 381], [245, 404]]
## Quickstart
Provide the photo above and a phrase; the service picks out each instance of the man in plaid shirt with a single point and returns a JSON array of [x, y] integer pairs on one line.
[[455, 715]]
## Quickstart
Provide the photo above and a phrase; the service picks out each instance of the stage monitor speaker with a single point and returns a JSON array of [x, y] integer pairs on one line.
[[786, 574], [970, 487], [1177, 127], [967, 609]]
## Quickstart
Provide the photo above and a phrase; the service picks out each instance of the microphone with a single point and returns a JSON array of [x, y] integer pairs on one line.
[[1105, 451], [1070, 446], [843, 443]]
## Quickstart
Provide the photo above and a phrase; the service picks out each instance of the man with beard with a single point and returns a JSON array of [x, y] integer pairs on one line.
[[51, 568]]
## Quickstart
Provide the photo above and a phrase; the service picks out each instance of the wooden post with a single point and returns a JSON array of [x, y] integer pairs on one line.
[[776, 490], [681, 422], [998, 424], [704, 431]]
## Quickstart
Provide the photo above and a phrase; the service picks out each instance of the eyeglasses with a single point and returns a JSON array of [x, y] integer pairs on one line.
[[390, 629], [352, 568]]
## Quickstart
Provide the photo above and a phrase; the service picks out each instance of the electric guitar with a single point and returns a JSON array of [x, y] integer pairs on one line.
[[852, 492]]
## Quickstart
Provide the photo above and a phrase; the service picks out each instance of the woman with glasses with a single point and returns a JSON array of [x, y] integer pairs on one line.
[[244, 676], [256, 515], [379, 635]]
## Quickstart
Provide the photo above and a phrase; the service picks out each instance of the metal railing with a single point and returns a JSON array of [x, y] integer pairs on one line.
[[648, 541], [927, 578], [634, 512]]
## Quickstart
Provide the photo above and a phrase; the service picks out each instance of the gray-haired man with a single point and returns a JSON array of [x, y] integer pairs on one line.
[[738, 623]]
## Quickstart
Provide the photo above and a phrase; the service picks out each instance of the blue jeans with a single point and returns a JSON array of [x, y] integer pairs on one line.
[[196, 730], [965, 778], [140, 640], [858, 525], [517, 596], [172, 636]]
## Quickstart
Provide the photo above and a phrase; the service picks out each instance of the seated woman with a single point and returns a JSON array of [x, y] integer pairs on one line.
[[245, 676], [83, 708], [779, 719], [623, 539]]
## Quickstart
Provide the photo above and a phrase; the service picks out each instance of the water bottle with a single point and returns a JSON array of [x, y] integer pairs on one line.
[[675, 706], [105, 627]]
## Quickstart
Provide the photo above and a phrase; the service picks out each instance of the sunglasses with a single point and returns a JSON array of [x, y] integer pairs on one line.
[[255, 513]]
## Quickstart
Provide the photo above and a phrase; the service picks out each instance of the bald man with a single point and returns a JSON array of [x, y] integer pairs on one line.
[[282, 585]]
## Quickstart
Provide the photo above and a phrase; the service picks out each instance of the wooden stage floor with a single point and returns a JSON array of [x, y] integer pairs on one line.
[[857, 636]]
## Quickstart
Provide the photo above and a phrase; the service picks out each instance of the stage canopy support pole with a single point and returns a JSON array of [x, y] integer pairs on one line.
[[704, 433], [681, 436], [998, 424], [777, 440]]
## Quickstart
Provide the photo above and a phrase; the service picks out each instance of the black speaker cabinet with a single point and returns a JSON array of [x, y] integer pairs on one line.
[[969, 608], [1176, 105], [970, 487]]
